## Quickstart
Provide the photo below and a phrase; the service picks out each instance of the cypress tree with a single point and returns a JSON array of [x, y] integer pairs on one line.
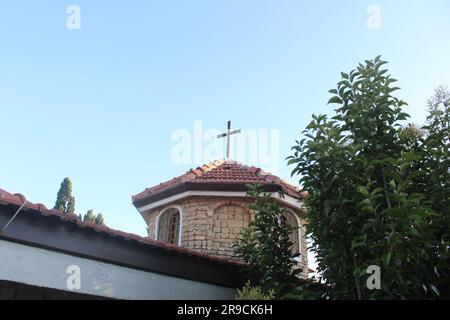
[[71, 205], [89, 216], [99, 219], [65, 202]]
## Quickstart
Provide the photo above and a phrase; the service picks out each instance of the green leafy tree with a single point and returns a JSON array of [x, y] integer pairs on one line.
[[265, 247], [439, 111], [432, 179], [65, 202], [362, 211], [437, 144], [253, 293]]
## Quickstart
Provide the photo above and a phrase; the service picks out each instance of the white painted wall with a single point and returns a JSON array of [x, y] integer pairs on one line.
[[45, 268]]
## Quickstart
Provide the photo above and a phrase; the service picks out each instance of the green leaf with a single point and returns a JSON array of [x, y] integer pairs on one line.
[[363, 190], [367, 209], [365, 202], [387, 258], [335, 100], [376, 191], [394, 212], [414, 232]]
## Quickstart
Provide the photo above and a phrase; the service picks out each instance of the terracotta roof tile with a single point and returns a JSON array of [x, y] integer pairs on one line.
[[18, 199], [221, 171]]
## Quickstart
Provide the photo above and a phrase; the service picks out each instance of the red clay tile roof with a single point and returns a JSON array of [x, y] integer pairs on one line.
[[221, 171], [18, 199]]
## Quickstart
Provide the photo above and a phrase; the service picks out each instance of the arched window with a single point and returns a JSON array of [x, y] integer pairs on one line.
[[169, 226], [288, 218]]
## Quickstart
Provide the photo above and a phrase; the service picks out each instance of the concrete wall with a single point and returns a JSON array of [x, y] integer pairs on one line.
[[50, 269]]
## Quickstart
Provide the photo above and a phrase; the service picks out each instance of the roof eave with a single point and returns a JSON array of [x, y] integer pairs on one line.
[[201, 186], [56, 233], [213, 190]]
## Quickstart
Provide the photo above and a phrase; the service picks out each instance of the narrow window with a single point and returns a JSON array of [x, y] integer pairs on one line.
[[169, 226], [289, 219]]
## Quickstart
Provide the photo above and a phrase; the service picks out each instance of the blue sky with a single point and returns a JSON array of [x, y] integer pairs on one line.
[[100, 104]]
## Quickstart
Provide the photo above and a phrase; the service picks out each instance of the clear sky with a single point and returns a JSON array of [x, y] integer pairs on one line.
[[100, 104]]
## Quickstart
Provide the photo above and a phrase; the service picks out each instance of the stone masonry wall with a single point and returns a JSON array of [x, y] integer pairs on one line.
[[212, 224]]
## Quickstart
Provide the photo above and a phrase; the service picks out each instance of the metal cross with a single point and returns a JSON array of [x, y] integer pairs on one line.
[[228, 134]]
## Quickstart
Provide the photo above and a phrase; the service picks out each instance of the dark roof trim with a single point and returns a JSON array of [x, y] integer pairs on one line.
[[195, 186], [51, 232]]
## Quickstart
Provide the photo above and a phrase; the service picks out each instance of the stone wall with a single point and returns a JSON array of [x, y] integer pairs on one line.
[[212, 224]]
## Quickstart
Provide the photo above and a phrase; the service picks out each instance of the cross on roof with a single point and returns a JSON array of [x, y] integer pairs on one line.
[[228, 134]]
